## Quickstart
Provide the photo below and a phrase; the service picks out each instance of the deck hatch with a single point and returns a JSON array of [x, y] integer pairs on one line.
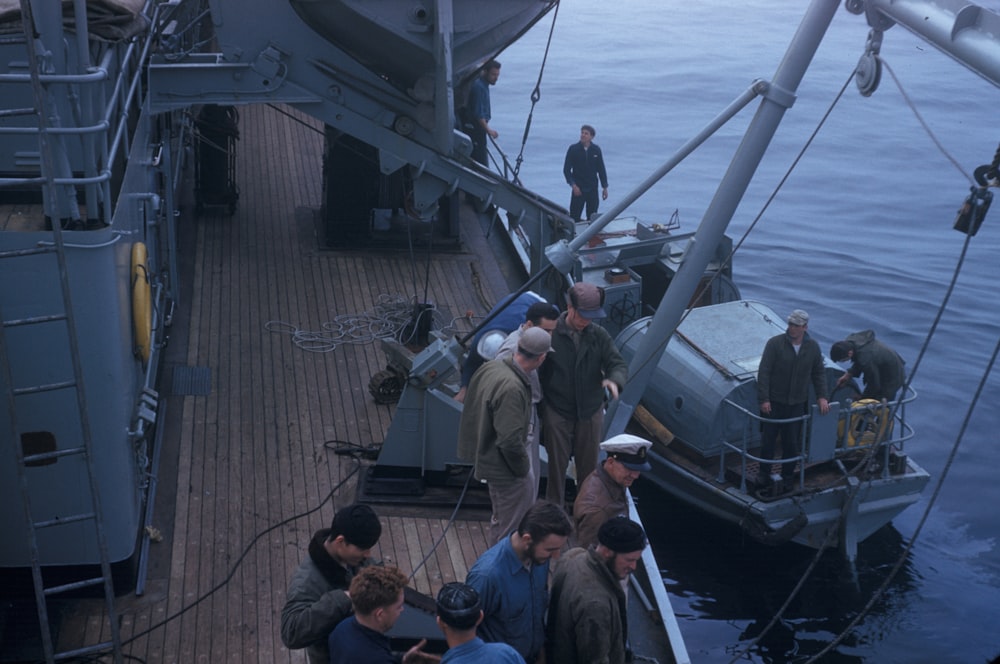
[[191, 381]]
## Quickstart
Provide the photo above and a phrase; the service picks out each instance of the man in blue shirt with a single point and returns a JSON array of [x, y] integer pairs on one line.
[[583, 166], [479, 111], [458, 613], [512, 580]]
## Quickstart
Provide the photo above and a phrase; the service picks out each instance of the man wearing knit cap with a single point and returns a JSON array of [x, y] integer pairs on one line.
[[603, 493], [495, 430], [585, 364], [317, 600], [458, 613], [791, 362], [587, 609]]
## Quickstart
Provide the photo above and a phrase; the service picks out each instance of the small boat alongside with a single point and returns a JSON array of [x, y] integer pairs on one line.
[[852, 474]]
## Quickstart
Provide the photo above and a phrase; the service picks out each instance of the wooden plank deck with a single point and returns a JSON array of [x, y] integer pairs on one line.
[[247, 475]]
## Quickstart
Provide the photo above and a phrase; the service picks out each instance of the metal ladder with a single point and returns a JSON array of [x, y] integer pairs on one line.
[[84, 450]]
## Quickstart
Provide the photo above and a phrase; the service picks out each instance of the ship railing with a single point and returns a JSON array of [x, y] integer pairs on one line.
[[102, 99], [861, 431]]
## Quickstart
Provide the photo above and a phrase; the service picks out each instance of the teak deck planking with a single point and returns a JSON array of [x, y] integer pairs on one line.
[[248, 460]]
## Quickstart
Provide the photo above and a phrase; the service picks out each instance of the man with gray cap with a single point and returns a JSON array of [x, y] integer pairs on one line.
[[602, 494], [791, 362], [587, 609], [585, 364], [317, 599], [495, 429], [459, 612]]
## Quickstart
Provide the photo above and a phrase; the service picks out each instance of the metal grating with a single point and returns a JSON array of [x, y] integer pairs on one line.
[[191, 381]]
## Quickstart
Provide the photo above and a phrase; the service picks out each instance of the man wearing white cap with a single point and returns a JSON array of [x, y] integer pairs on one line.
[[790, 363], [495, 428], [602, 494]]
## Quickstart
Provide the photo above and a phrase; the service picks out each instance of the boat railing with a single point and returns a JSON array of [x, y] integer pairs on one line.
[[861, 429], [101, 99]]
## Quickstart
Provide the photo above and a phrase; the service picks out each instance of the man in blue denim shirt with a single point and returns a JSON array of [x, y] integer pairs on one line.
[[512, 580]]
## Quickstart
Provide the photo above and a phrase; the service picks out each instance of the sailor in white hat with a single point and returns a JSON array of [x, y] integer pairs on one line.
[[602, 493]]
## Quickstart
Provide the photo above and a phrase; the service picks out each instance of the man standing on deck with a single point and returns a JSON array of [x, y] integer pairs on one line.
[[495, 429], [881, 366], [574, 380], [583, 166], [544, 316], [588, 619], [790, 363], [317, 599], [478, 108], [512, 580], [602, 493]]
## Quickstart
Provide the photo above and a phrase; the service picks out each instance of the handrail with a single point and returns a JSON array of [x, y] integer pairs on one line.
[[895, 409]]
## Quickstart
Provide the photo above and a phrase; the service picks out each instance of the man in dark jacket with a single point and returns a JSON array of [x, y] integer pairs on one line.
[[587, 609], [584, 364], [316, 600], [583, 166], [881, 366], [790, 364]]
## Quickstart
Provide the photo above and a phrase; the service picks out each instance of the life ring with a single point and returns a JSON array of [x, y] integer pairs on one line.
[[869, 422], [142, 310]]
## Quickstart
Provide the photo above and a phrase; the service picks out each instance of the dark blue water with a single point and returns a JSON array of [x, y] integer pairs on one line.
[[861, 236]]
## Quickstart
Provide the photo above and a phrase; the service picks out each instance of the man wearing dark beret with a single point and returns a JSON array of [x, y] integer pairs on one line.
[[587, 607], [316, 600]]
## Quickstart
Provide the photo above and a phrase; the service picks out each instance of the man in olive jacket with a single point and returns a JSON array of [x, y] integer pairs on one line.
[[791, 362], [316, 599], [495, 429], [588, 621], [882, 366], [585, 364]]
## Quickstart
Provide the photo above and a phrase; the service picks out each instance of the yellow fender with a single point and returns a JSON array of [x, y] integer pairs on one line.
[[142, 301], [869, 421]]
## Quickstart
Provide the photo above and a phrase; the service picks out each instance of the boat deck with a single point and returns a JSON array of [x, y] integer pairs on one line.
[[249, 462]]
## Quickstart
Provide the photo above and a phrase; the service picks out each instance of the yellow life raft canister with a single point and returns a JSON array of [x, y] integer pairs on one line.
[[869, 422], [142, 305]]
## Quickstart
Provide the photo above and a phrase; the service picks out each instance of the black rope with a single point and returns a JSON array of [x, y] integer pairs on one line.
[[536, 94]]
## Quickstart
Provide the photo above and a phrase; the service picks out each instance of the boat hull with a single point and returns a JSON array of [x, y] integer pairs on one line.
[[806, 517]]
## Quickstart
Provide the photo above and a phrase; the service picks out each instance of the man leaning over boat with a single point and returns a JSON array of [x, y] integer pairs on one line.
[[881, 366]]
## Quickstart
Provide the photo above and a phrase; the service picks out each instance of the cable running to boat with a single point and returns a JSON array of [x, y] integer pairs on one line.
[[940, 313], [944, 472], [239, 561]]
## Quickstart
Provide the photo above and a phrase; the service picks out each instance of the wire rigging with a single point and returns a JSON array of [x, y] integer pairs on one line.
[[536, 95], [920, 355]]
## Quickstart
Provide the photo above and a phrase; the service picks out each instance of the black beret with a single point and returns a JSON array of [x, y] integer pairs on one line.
[[622, 535]]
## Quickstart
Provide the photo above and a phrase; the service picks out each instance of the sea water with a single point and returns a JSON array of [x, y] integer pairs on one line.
[[860, 236]]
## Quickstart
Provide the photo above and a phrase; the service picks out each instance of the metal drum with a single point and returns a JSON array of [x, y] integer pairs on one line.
[[712, 357]]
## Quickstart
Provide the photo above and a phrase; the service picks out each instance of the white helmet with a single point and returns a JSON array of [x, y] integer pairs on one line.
[[490, 343]]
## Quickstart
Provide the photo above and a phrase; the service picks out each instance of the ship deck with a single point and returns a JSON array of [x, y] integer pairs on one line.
[[262, 418], [249, 468]]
